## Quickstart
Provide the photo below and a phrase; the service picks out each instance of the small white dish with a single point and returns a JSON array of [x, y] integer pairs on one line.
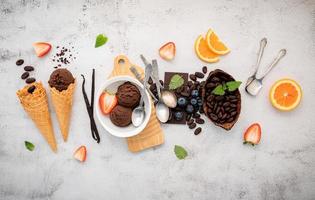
[[111, 85]]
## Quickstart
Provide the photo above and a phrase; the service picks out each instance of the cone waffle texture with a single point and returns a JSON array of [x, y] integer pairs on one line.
[[36, 106], [62, 102], [152, 135]]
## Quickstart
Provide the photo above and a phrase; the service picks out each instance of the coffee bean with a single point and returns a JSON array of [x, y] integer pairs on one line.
[[201, 110], [204, 69], [28, 68], [19, 62], [199, 75], [150, 81], [213, 117], [215, 79], [193, 77], [227, 109], [190, 121], [226, 104], [219, 98], [232, 97], [209, 110], [25, 75], [224, 116], [30, 80], [161, 82], [196, 115], [233, 105], [234, 100], [230, 119], [31, 89], [197, 131], [233, 113], [185, 94], [217, 110], [220, 115], [210, 85], [192, 126], [189, 83], [210, 98], [200, 121], [188, 117]]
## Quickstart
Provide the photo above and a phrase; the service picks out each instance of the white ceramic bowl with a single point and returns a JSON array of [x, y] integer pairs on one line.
[[111, 85]]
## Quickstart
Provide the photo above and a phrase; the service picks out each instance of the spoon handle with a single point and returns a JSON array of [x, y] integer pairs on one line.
[[280, 55], [156, 78], [263, 43]]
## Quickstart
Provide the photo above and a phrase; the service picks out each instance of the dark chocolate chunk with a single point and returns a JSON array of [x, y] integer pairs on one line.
[[25, 75], [19, 62]]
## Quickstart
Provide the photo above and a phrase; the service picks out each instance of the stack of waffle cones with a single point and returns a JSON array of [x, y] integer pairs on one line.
[[36, 106], [62, 102]]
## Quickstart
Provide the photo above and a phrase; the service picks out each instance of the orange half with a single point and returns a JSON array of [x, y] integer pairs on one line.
[[285, 94], [215, 44], [203, 51]]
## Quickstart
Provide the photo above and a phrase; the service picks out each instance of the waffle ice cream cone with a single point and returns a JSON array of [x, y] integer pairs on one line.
[[62, 102], [36, 106]]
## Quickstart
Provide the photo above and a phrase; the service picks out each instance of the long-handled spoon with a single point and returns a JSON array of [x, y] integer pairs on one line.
[[255, 85], [138, 114], [263, 43]]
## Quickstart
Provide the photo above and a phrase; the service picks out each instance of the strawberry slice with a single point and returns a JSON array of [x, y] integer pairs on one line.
[[167, 51], [41, 48], [253, 134], [107, 102], [80, 154]]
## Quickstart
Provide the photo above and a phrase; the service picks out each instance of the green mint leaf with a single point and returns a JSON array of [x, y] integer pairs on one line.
[[29, 145], [233, 85], [180, 152], [219, 90], [176, 82], [101, 39]]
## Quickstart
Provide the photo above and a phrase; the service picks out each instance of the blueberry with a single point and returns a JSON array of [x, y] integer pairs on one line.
[[189, 108], [179, 116], [194, 93], [193, 102], [182, 102]]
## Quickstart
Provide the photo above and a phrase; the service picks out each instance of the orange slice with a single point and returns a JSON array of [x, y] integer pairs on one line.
[[215, 44], [285, 94], [203, 51]]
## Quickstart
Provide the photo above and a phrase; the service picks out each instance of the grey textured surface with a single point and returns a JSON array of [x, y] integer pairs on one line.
[[218, 166]]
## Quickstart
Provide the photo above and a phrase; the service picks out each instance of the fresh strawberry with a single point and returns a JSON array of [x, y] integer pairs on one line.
[[253, 134], [80, 154], [167, 51], [41, 48], [107, 102]]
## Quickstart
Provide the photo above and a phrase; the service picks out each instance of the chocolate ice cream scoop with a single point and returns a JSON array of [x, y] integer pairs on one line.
[[128, 95], [61, 79], [121, 116]]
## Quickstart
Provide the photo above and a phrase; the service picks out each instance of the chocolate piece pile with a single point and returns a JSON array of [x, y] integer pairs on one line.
[[64, 56], [222, 110]]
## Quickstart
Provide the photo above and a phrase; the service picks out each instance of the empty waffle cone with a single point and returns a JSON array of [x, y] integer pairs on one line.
[[36, 106], [62, 102]]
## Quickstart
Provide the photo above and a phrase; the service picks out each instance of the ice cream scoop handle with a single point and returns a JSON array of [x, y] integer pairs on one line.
[[281, 54]]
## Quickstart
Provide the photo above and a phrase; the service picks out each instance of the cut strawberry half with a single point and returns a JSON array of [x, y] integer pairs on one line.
[[41, 48], [107, 102], [253, 134], [167, 51], [80, 154]]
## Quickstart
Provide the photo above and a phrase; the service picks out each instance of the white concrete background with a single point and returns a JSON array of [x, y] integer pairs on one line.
[[219, 166]]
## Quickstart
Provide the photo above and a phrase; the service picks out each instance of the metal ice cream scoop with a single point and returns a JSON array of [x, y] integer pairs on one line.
[[254, 84]]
